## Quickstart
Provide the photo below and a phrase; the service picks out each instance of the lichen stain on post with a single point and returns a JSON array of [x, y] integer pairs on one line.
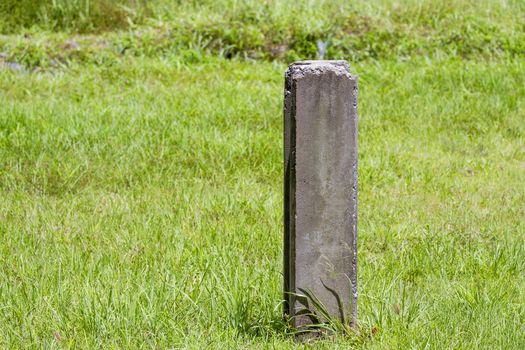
[[320, 188]]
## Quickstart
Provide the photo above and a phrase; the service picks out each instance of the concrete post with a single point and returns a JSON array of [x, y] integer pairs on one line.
[[320, 189]]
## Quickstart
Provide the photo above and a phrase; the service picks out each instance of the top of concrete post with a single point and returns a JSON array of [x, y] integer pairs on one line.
[[298, 69]]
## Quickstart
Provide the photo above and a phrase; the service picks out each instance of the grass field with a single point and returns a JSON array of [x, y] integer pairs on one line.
[[141, 193]]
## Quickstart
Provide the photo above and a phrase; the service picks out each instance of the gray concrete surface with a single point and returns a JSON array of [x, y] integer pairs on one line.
[[320, 186]]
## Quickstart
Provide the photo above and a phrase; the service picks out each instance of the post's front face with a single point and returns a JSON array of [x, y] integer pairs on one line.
[[320, 188]]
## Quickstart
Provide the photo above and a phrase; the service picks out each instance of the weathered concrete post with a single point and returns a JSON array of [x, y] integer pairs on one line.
[[320, 189]]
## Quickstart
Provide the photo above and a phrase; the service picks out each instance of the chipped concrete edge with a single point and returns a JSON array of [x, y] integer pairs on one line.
[[298, 70]]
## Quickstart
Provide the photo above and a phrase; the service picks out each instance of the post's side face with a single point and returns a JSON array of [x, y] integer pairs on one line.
[[320, 187], [289, 162]]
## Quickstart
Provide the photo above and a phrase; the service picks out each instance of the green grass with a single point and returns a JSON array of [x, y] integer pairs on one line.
[[269, 30], [141, 172], [141, 205]]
